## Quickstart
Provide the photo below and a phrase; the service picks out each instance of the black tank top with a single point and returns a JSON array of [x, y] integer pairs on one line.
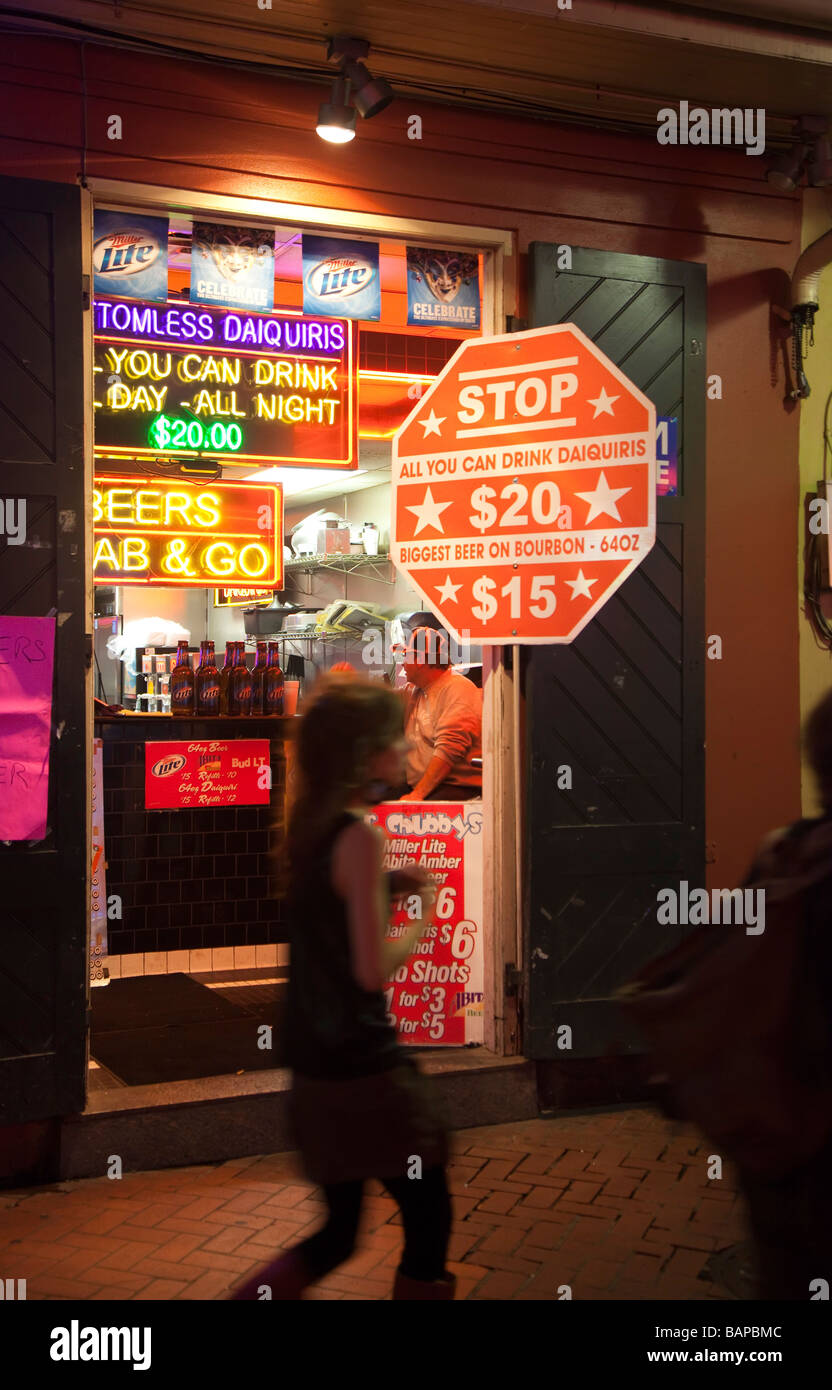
[[335, 1029]]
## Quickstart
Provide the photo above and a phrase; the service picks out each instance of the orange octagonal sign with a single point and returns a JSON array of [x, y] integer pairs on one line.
[[524, 487]]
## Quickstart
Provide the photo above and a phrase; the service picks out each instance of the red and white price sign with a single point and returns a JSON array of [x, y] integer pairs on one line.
[[524, 487]]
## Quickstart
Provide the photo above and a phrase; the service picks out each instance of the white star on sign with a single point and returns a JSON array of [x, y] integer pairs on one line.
[[429, 513], [447, 591], [431, 423], [602, 403], [603, 500], [581, 587]]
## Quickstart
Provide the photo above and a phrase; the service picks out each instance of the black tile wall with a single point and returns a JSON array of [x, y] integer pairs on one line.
[[189, 879]]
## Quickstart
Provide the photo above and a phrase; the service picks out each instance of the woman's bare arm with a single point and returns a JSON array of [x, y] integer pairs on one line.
[[358, 878]]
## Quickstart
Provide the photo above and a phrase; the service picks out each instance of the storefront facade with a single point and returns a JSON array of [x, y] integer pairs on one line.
[[675, 277]]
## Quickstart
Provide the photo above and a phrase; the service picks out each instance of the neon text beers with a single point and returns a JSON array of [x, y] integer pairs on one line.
[[151, 530]]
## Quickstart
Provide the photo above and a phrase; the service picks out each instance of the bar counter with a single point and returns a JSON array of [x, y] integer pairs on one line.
[[197, 877]]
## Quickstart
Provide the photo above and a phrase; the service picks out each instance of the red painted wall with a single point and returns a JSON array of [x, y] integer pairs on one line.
[[196, 126]]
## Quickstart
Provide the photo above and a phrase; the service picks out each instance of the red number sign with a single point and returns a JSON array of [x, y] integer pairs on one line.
[[524, 487]]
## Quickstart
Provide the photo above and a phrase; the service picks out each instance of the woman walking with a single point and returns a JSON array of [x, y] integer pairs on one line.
[[359, 1105]]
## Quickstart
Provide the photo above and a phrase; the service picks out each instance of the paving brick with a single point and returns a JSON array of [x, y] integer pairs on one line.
[[499, 1285]]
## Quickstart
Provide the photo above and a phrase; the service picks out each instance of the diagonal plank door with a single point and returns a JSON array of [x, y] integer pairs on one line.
[[622, 707], [43, 426]]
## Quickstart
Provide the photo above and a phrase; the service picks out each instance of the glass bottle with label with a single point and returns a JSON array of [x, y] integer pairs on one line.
[[273, 694], [258, 680], [225, 676], [207, 681], [240, 697], [182, 682]]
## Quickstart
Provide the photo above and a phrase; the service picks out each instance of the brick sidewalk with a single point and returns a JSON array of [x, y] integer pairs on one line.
[[615, 1204]]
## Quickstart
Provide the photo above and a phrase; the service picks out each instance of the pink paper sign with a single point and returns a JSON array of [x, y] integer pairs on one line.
[[27, 647]]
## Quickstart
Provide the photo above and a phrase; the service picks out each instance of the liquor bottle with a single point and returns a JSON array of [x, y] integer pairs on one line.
[[207, 681], [258, 680], [273, 693], [225, 676], [240, 689], [182, 682]]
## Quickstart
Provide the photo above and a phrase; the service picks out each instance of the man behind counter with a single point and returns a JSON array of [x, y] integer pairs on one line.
[[443, 724]]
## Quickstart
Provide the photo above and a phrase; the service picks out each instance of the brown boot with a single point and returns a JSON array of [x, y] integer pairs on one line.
[[405, 1287], [287, 1276]]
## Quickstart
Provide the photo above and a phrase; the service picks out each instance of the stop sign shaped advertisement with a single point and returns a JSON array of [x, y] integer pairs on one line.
[[524, 487]]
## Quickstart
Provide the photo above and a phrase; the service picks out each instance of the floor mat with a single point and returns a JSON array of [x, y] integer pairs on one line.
[[158, 1028], [145, 1001]]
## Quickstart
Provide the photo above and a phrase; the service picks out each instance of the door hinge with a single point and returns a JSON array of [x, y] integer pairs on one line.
[[515, 325], [513, 981], [88, 649], [85, 291]]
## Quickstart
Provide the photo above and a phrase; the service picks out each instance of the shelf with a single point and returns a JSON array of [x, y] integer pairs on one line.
[[343, 564]]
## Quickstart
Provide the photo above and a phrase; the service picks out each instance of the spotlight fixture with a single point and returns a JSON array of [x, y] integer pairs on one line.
[[370, 94], [811, 153], [820, 165], [786, 171], [336, 118]]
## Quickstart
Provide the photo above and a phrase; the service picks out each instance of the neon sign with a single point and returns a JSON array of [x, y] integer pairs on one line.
[[160, 531], [185, 382]]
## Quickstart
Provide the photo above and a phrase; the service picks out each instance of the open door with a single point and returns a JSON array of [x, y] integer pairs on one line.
[[43, 432], [623, 705]]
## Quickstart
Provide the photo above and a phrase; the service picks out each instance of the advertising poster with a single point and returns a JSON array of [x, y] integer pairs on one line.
[[27, 648], [207, 773], [178, 380], [436, 998], [232, 266], [150, 531], [443, 287], [341, 278], [130, 255], [98, 880]]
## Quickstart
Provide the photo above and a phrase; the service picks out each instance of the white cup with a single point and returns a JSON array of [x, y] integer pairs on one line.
[[290, 696]]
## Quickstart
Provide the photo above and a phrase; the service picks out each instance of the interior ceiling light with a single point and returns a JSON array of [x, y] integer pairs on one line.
[[811, 152], [336, 118], [820, 165], [370, 94]]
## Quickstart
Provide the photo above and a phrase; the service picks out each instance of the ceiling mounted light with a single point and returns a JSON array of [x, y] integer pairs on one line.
[[336, 118], [811, 153], [786, 171], [370, 94], [820, 165]]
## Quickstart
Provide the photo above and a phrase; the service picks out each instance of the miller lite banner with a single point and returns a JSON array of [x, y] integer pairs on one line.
[[130, 255], [341, 278]]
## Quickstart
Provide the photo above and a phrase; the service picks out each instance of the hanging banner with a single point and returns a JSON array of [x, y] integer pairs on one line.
[[341, 278], [443, 287], [207, 774], [436, 998], [186, 383], [158, 531], [98, 877], [130, 255], [27, 647], [233, 266]]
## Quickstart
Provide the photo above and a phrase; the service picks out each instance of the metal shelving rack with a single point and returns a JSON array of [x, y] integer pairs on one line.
[[344, 564]]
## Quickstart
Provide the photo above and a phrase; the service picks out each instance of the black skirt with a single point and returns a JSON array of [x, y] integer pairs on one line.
[[368, 1126]]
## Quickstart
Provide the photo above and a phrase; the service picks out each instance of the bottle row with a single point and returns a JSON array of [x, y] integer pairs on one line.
[[233, 689]]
